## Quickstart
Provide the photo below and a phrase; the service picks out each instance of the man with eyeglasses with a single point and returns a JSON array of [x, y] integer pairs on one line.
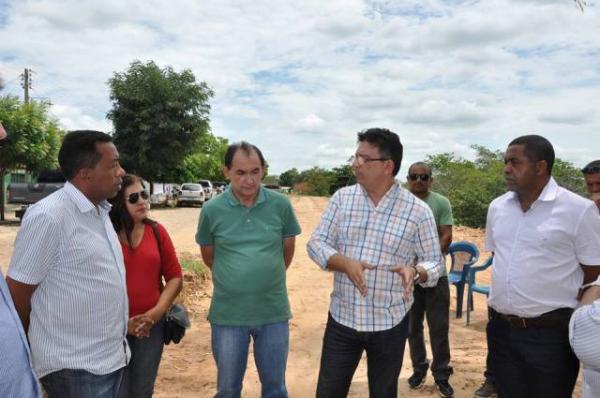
[[17, 378], [379, 240], [67, 277], [433, 302]]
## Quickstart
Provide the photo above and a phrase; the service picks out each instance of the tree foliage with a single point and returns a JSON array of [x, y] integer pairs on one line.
[[472, 185], [206, 163], [159, 117], [289, 178], [33, 139]]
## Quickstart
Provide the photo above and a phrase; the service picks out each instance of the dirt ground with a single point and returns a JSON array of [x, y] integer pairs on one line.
[[188, 370]]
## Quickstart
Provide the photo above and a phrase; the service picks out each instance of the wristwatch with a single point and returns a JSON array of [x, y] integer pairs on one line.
[[417, 275], [585, 287]]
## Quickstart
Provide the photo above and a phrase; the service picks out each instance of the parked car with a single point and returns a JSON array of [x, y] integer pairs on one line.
[[219, 187], [191, 193], [26, 194], [208, 189]]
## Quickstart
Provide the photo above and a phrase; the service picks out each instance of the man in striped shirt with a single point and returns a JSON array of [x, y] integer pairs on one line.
[[67, 277], [379, 240]]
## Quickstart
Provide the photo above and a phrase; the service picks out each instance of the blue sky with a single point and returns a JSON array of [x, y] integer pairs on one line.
[[299, 79]]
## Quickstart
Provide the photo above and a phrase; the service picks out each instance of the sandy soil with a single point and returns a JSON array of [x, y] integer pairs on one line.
[[188, 370]]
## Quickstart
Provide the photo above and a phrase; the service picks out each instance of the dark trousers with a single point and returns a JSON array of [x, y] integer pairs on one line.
[[140, 374], [433, 303], [490, 359], [342, 350], [532, 362]]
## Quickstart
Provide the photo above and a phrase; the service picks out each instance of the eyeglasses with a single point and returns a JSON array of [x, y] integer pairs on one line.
[[422, 177], [362, 159], [591, 170], [134, 197]]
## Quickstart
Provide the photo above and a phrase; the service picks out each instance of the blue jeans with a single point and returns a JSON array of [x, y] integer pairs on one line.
[[230, 350], [77, 383], [342, 349], [140, 374]]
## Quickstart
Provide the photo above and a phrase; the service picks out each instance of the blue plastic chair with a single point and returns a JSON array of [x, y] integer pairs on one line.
[[474, 287], [463, 255]]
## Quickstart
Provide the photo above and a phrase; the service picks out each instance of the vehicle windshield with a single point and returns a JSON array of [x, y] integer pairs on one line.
[[191, 187], [204, 183]]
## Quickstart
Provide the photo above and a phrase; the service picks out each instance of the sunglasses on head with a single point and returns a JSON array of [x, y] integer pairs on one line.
[[591, 170], [422, 177], [134, 197]]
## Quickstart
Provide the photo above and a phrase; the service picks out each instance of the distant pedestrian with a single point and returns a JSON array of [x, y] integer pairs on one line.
[[591, 173], [149, 256], [432, 302], [67, 277]]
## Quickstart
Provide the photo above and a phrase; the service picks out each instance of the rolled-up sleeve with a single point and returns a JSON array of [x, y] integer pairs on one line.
[[322, 243], [429, 255]]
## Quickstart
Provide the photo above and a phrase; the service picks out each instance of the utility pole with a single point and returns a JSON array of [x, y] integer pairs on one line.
[[26, 83]]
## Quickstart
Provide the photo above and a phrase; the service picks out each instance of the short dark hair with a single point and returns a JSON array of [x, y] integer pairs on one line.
[[244, 146], [592, 167], [536, 148], [387, 142], [119, 215], [78, 151], [421, 164]]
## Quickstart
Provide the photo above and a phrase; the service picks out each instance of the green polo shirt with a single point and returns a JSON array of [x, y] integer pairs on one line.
[[249, 275], [442, 211]]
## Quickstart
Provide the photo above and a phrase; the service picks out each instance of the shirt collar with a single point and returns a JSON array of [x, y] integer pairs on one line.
[[548, 194], [233, 201], [82, 202], [391, 193]]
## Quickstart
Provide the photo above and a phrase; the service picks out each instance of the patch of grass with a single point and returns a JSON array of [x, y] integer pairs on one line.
[[191, 263]]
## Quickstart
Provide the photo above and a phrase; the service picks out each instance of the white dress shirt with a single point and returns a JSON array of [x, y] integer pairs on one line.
[[538, 252], [79, 311]]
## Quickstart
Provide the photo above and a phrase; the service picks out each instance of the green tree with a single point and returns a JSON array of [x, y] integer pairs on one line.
[[159, 117], [319, 181], [205, 163], [33, 139], [288, 178], [342, 176]]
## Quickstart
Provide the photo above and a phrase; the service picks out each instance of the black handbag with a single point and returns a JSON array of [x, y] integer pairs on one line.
[[176, 319]]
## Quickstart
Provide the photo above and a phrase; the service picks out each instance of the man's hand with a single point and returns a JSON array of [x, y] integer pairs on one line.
[[408, 274], [590, 295], [355, 271]]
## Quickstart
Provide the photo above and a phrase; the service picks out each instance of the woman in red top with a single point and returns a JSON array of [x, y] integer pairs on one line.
[[145, 267]]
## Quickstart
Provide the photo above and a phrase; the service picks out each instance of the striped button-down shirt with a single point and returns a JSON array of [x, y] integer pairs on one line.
[[16, 376], [583, 334], [69, 249], [400, 230]]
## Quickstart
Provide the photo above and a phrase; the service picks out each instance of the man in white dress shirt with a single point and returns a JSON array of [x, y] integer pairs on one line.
[[545, 240], [67, 277], [585, 322]]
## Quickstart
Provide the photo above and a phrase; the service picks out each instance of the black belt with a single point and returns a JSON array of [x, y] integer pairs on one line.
[[554, 319]]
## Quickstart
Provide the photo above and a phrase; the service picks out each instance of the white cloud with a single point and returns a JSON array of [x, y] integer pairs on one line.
[[300, 79]]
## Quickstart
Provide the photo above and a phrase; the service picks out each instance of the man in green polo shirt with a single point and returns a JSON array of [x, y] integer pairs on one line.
[[433, 302], [247, 238]]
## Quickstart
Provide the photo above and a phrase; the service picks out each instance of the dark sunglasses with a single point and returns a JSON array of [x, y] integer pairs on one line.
[[422, 177], [591, 170], [134, 197]]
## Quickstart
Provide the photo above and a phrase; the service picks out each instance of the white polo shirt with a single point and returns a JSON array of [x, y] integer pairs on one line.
[[538, 252], [79, 310]]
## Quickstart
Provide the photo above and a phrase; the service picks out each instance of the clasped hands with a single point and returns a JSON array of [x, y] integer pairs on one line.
[[355, 271], [140, 325]]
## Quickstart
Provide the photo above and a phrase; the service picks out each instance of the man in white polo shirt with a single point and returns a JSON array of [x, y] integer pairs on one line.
[[67, 277], [545, 240]]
